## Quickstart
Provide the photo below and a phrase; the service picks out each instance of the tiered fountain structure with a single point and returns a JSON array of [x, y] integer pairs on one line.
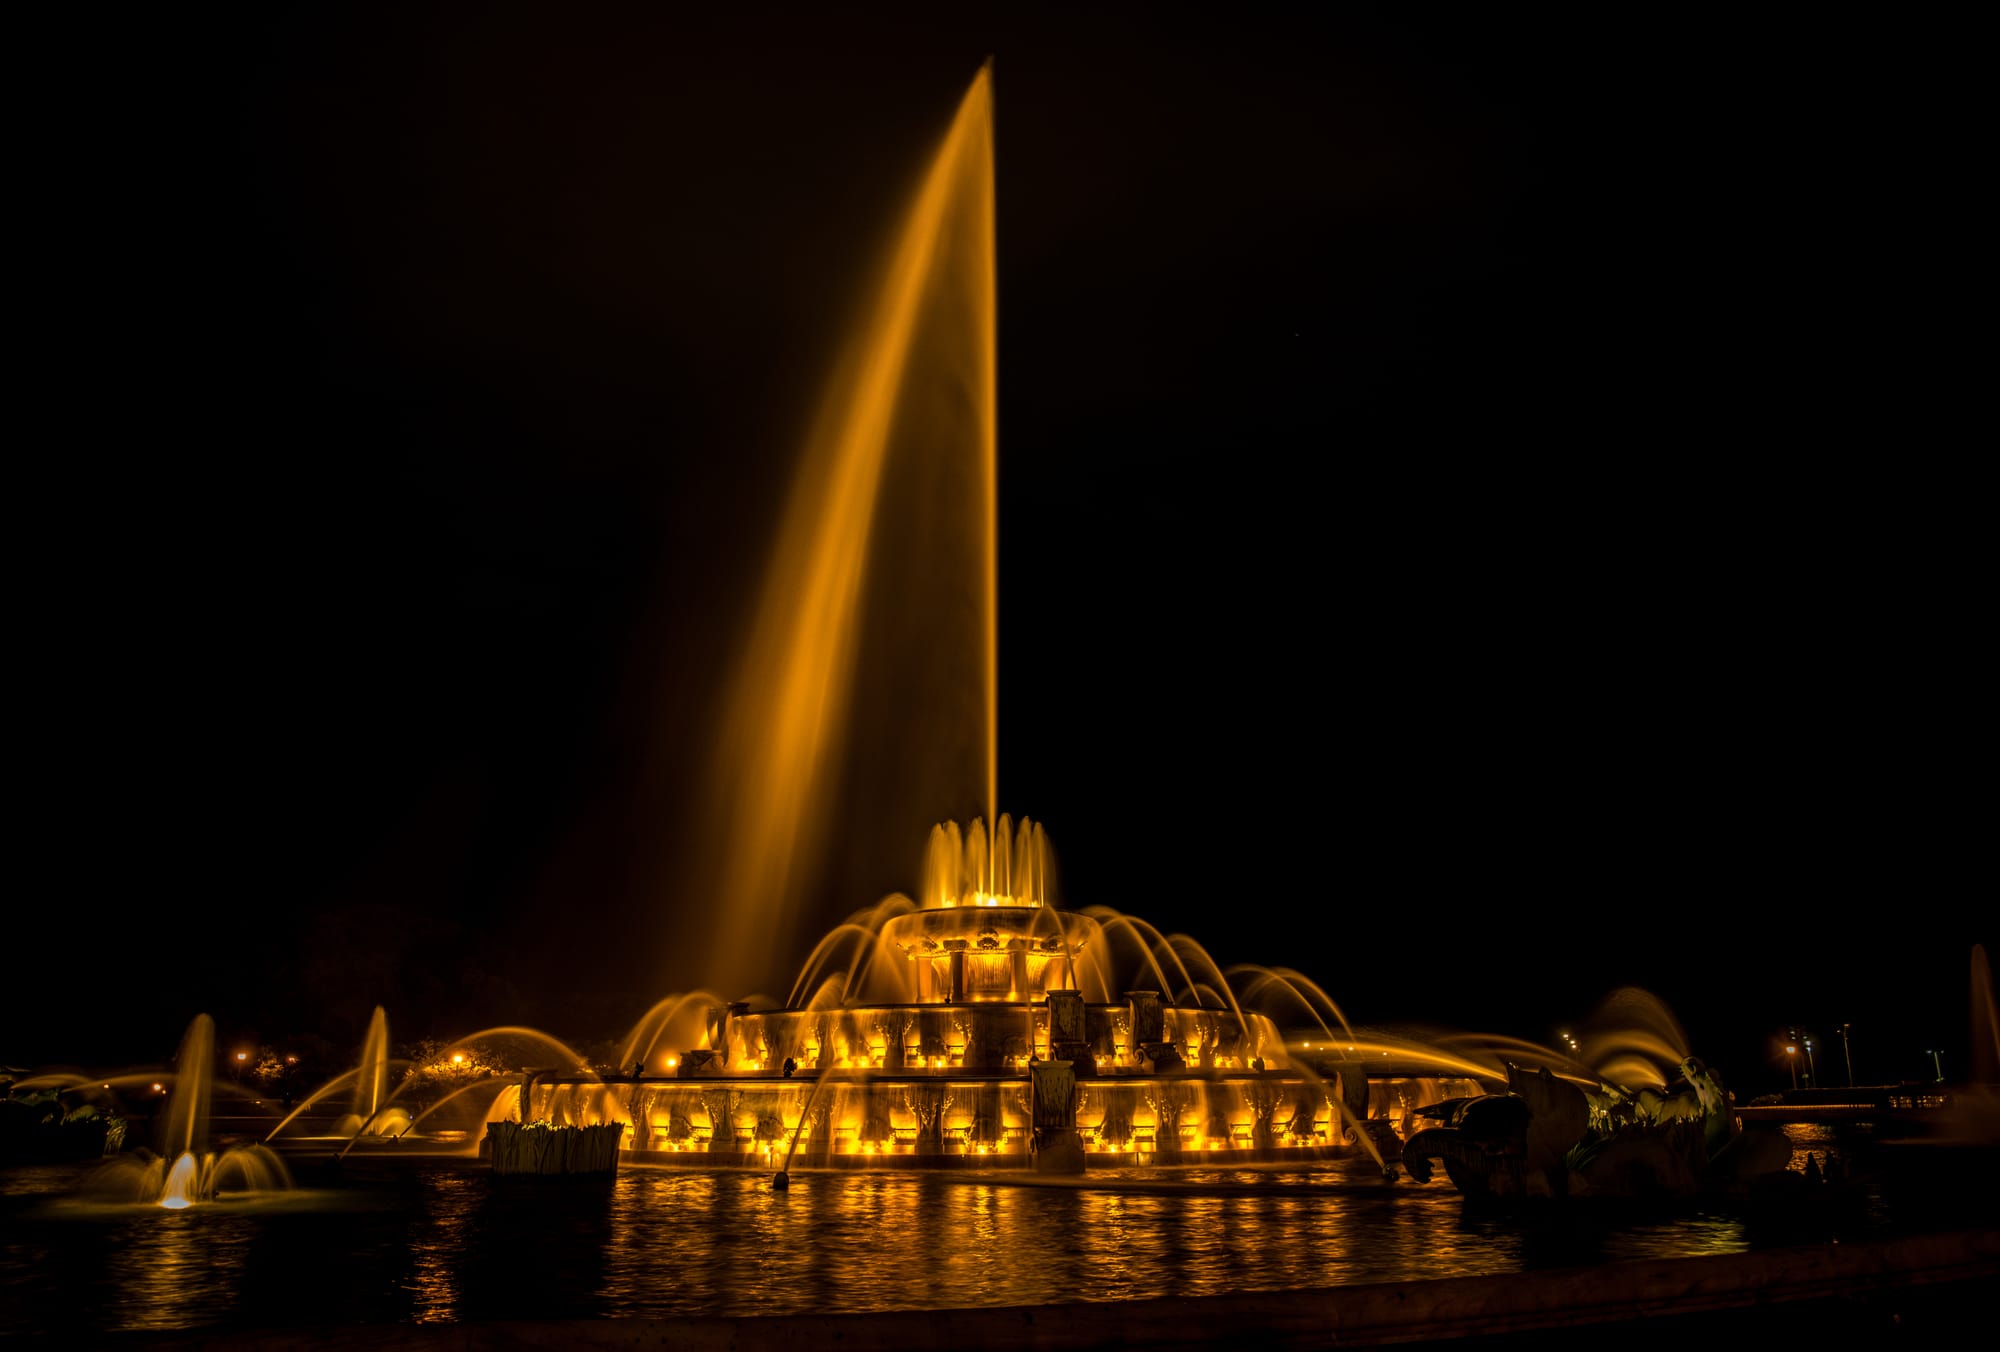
[[979, 1022], [984, 1025]]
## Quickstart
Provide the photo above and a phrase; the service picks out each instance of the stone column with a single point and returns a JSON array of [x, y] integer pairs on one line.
[[1148, 1019], [735, 1010], [1151, 1051], [1052, 1097], [1069, 1038]]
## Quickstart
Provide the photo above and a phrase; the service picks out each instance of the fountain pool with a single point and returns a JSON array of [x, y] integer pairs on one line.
[[413, 1241]]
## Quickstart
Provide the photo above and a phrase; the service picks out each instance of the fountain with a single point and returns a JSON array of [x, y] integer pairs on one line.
[[188, 1169], [370, 1110], [446, 1101], [1633, 1113], [980, 1024], [987, 1026]]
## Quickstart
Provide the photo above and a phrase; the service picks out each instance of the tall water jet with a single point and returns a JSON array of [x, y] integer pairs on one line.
[[371, 1078], [781, 734], [194, 1078]]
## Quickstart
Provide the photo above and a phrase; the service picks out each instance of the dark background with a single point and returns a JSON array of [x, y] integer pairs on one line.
[[1487, 514]]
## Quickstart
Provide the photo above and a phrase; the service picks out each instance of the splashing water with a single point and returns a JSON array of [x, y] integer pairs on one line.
[[1634, 1038], [1013, 867], [188, 1171], [371, 1080]]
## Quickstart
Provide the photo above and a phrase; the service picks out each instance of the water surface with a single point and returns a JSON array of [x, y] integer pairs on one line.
[[396, 1240]]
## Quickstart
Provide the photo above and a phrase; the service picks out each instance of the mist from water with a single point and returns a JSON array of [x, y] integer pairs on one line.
[[916, 383], [1985, 1041]]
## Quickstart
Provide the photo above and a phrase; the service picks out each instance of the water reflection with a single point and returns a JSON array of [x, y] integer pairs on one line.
[[180, 1270], [443, 1241], [437, 1247]]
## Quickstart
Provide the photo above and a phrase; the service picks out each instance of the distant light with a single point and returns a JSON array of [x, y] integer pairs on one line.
[[243, 1056], [458, 1058]]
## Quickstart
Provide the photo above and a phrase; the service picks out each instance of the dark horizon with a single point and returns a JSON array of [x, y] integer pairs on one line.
[[1481, 516]]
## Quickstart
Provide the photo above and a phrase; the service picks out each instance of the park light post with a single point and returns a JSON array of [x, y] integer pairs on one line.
[[1792, 1060], [1847, 1052], [1812, 1071]]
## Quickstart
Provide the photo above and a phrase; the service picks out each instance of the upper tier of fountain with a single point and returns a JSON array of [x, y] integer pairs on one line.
[[999, 952], [984, 929]]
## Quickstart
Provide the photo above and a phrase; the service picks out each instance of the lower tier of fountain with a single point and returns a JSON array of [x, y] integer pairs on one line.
[[953, 1077], [947, 1117]]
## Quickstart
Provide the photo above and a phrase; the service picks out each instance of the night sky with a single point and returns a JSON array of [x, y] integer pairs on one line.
[[1487, 514]]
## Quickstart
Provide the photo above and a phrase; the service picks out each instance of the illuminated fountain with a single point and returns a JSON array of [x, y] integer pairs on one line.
[[188, 1168], [984, 1025], [1634, 1114], [981, 1025], [447, 1100], [370, 1110], [981, 1022]]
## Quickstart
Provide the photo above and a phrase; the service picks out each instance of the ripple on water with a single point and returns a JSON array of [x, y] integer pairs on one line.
[[441, 1241]]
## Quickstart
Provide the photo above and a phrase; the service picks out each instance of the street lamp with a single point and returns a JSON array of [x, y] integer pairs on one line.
[[1812, 1071], [1935, 1062], [1847, 1052], [1792, 1060]]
